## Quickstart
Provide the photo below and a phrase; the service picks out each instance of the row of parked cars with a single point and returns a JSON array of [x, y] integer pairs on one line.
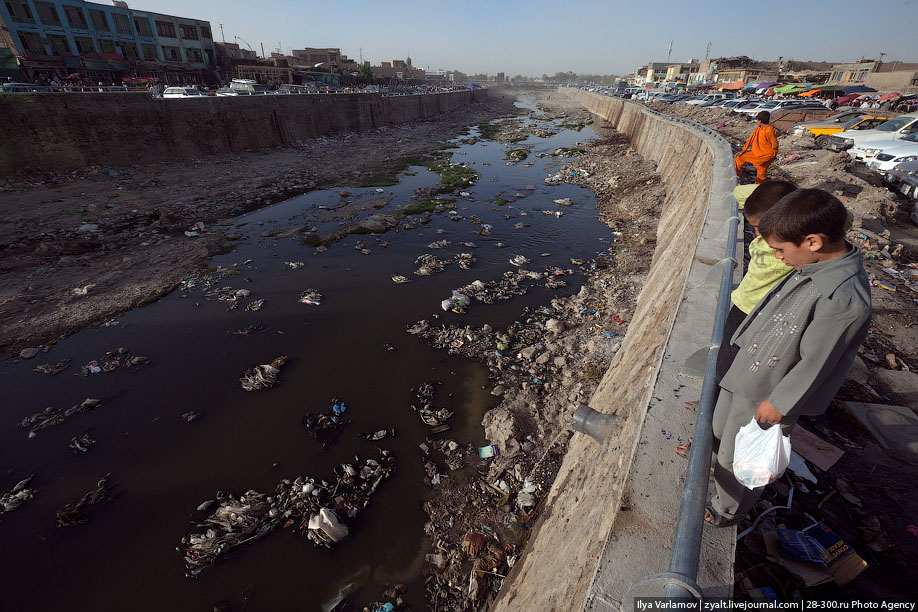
[[745, 107]]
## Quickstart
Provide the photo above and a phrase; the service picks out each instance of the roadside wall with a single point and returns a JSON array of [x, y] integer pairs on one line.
[[568, 553], [70, 131]]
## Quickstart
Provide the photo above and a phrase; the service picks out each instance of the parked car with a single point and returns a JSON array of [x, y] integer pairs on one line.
[[707, 98], [229, 91], [749, 106], [248, 85], [893, 129], [183, 92], [883, 155], [731, 104], [903, 177], [854, 121]]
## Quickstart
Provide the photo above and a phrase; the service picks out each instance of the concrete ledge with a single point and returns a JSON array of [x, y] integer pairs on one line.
[[585, 553]]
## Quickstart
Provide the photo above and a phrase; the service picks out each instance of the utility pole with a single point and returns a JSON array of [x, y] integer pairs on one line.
[[707, 51], [361, 56], [221, 34], [670, 51], [262, 49]]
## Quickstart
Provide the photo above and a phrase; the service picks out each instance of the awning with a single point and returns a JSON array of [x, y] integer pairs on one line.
[[811, 92], [791, 88], [730, 86], [858, 89], [890, 96]]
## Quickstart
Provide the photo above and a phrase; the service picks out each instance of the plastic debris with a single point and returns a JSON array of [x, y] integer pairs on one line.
[[76, 513], [113, 360], [53, 369], [190, 416], [18, 495], [254, 515], [325, 427], [81, 443], [486, 452], [51, 416], [456, 303], [519, 260], [375, 436], [28, 353], [429, 415], [398, 278], [263, 376], [294, 265], [439, 244], [255, 305], [311, 297]]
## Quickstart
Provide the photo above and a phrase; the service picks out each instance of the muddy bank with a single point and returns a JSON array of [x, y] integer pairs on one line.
[[543, 366], [80, 247]]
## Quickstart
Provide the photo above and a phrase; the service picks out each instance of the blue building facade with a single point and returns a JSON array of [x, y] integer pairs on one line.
[[56, 38]]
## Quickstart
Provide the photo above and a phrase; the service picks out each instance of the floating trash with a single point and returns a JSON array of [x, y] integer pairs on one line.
[[398, 278], [294, 265], [255, 306], [519, 260], [430, 416], [311, 297], [439, 244], [263, 376], [77, 513], [51, 416], [18, 495]]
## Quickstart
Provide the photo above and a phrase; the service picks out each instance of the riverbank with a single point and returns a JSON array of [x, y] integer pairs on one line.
[[81, 247]]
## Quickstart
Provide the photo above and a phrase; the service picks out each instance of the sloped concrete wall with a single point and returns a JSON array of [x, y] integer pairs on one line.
[[563, 559], [71, 131]]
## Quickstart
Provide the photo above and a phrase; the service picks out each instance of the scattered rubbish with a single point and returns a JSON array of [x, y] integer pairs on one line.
[[195, 230], [398, 278], [76, 513], [113, 360], [487, 452], [311, 297], [249, 330], [519, 260], [321, 508], [18, 495], [263, 376], [820, 545], [375, 436], [814, 449], [520, 225], [379, 190], [844, 490], [326, 427], [294, 265], [52, 368], [798, 466], [761, 455], [873, 534], [255, 305], [485, 229], [81, 443], [439, 244], [465, 194], [28, 353], [456, 303], [82, 291], [348, 586], [51, 416], [563, 202], [430, 416]]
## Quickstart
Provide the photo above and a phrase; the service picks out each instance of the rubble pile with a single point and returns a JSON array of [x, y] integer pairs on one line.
[[78, 512], [18, 495], [318, 508], [51, 416]]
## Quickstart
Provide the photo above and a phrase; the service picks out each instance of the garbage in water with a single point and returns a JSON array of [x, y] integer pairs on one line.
[[375, 436], [52, 368], [439, 244], [51, 416], [81, 443], [18, 495], [430, 416], [398, 278], [263, 376], [294, 265], [248, 330], [564, 202], [456, 303], [190, 416], [255, 305], [113, 360], [311, 297], [195, 230], [486, 452], [519, 260], [326, 427], [321, 508], [348, 586], [485, 229], [28, 353], [77, 513]]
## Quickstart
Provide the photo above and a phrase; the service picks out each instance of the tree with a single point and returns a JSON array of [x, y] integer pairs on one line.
[[365, 75]]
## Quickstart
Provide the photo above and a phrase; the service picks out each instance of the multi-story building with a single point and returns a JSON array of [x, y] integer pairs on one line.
[[882, 76], [100, 42], [681, 73], [229, 53]]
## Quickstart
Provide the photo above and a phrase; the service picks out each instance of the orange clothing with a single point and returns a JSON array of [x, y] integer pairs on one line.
[[760, 150]]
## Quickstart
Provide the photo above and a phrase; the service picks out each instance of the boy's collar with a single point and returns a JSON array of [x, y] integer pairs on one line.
[[828, 275]]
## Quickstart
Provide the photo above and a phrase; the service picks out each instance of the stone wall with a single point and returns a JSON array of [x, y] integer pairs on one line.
[[70, 131], [569, 545]]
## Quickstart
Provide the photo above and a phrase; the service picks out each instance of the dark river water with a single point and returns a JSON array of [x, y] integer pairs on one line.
[[125, 557]]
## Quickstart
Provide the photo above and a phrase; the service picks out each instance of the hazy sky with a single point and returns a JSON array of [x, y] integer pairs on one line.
[[586, 36]]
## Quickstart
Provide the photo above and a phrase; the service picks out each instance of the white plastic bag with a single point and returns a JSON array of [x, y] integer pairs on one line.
[[760, 455]]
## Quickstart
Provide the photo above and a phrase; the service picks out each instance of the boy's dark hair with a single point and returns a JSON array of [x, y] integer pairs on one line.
[[766, 195], [764, 117], [803, 212]]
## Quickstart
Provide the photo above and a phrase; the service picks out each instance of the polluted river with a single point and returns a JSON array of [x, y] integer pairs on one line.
[[175, 427]]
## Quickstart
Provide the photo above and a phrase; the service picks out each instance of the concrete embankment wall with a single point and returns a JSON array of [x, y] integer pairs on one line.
[[69, 131], [568, 564]]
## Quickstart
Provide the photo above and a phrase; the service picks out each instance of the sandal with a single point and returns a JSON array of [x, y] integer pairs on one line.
[[683, 449], [718, 520]]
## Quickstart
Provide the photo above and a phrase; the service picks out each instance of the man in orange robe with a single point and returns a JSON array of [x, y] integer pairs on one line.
[[760, 150]]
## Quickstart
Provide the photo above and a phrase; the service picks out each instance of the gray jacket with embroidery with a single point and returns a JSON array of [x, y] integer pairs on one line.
[[797, 345]]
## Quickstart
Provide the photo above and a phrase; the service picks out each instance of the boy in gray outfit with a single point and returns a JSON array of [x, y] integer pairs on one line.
[[797, 345]]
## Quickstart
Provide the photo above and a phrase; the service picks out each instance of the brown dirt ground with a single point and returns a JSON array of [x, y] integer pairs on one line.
[[138, 251]]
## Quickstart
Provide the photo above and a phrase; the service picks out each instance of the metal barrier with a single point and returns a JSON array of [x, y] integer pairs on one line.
[[679, 581]]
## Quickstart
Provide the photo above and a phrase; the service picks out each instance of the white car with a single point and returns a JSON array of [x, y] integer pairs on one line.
[[707, 98], [894, 129], [884, 155], [183, 92]]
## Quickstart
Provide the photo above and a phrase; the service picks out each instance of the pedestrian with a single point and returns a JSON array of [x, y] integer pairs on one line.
[[761, 148], [798, 344]]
